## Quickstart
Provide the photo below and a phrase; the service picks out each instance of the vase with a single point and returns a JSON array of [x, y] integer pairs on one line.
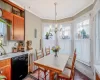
[[56, 54], [47, 37]]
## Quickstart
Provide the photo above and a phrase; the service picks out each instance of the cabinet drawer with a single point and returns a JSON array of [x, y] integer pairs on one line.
[[5, 62]]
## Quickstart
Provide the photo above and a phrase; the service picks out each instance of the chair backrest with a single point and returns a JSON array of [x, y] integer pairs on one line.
[[47, 51], [73, 65], [39, 54], [74, 59]]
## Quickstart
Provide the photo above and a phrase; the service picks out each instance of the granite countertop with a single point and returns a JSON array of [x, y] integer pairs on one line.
[[11, 55], [97, 68]]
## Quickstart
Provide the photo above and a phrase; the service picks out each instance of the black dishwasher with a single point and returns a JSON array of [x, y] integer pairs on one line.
[[19, 67]]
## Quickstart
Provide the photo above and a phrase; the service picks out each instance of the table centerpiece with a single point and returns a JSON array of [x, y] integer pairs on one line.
[[55, 49]]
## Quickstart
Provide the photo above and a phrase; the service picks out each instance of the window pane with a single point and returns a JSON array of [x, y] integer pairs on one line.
[[86, 22], [65, 32], [82, 30], [1, 29], [49, 31]]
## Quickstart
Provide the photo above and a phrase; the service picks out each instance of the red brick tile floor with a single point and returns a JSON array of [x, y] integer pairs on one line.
[[78, 76]]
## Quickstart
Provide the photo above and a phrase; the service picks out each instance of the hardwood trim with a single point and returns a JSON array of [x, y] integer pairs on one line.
[[13, 4], [47, 68]]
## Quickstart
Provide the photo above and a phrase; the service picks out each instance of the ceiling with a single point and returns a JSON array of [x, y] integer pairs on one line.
[[45, 9]]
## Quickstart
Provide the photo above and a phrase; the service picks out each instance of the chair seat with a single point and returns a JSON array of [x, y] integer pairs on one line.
[[66, 73]]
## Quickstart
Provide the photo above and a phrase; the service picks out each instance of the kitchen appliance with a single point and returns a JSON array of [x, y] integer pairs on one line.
[[19, 67]]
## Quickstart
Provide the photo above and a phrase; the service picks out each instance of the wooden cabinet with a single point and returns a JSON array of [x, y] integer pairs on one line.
[[7, 15], [5, 68], [9, 18], [97, 77], [18, 28], [16, 32]]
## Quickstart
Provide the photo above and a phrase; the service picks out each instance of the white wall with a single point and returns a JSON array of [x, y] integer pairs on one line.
[[5, 6], [33, 22]]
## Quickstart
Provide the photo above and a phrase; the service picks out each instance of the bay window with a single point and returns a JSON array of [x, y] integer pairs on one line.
[[82, 41], [63, 36]]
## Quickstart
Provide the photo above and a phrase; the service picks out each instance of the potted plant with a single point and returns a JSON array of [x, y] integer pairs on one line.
[[1, 45], [47, 35], [55, 49]]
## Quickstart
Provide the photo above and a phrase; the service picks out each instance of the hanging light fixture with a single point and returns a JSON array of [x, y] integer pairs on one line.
[[56, 26], [56, 48], [55, 29]]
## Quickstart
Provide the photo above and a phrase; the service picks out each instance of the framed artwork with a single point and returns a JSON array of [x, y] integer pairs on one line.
[[35, 33]]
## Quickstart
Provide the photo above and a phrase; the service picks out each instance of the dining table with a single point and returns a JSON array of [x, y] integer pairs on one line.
[[53, 64]]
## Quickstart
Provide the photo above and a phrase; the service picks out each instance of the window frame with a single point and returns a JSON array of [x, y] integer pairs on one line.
[[97, 41]]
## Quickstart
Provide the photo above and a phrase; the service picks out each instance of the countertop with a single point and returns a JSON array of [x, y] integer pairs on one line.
[[97, 68], [11, 55]]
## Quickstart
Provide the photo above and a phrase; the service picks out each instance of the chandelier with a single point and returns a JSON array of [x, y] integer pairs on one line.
[[55, 28], [56, 25]]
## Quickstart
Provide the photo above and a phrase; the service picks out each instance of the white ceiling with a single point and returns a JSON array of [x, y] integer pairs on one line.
[[45, 9]]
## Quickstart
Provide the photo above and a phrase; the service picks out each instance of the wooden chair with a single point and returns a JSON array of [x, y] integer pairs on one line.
[[47, 51], [68, 74], [40, 54], [69, 64]]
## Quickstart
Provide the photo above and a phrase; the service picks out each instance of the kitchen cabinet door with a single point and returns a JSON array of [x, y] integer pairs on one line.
[[18, 28], [5, 68], [7, 15], [6, 71]]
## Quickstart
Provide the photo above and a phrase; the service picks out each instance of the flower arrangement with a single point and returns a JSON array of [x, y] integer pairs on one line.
[[55, 48]]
